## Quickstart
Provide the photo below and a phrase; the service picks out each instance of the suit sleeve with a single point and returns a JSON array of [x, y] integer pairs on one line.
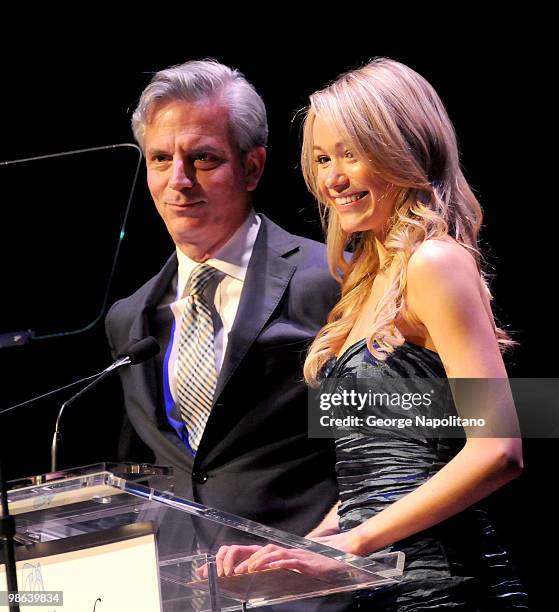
[[130, 445]]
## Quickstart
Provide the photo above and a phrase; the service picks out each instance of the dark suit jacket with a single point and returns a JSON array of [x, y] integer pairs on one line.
[[255, 458]]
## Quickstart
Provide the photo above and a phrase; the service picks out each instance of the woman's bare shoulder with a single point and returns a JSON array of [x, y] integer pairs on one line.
[[441, 274], [440, 255]]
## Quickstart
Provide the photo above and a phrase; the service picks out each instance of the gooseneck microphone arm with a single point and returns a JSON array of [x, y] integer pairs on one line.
[[57, 437], [134, 353]]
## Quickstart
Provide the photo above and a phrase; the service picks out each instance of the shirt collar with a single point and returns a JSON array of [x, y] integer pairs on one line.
[[232, 258]]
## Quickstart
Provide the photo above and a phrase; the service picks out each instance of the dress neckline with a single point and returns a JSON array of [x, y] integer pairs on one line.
[[360, 343]]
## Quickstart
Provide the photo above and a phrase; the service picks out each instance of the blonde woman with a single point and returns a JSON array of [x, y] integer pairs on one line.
[[380, 156]]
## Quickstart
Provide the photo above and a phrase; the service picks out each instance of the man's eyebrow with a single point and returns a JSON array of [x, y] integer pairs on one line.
[[150, 152], [206, 148], [194, 150]]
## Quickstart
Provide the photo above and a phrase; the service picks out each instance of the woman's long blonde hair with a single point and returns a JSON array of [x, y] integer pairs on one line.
[[394, 119]]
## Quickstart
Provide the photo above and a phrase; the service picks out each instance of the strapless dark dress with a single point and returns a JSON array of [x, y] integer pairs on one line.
[[458, 564]]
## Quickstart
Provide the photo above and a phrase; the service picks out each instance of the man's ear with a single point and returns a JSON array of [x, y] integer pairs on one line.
[[254, 166]]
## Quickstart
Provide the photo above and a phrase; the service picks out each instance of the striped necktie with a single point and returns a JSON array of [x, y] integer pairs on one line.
[[196, 373]]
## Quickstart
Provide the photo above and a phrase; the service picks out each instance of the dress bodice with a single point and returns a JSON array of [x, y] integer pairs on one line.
[[374, 471], [458, 563]]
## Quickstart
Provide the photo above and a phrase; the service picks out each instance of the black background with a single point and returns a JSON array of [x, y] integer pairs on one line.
[[73, 93]]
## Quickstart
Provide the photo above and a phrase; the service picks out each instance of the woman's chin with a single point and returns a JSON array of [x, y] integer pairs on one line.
[[353, 226]]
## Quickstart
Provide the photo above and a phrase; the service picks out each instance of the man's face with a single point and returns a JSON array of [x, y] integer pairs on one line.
[[197, 179]]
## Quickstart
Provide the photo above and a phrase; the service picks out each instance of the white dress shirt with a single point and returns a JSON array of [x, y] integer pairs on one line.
[[223, 291]]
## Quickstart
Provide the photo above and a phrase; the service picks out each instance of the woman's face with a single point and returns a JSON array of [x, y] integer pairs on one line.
[[346, 182]]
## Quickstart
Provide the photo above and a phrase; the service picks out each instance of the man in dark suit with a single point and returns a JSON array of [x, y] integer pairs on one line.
[[236, 435]]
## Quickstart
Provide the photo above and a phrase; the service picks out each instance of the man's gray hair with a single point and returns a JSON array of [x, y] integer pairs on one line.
[[201, 81]]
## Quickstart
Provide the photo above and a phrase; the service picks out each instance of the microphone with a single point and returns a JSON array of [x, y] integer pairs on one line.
[[138, 351], [133, 353]]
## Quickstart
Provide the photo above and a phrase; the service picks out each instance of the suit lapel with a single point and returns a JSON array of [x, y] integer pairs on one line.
[[145, 373], [268, 276], [267, 279]]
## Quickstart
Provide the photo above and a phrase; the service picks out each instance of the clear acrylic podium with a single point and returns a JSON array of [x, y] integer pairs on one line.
[[113, 535]]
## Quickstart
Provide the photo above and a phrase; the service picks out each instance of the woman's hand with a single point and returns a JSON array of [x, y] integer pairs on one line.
[[227, 558], [302, 561], [273, 557], [348, 541]]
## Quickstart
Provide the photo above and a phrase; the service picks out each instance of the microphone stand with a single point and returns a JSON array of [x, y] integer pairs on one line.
[[138, 351], [57, 437], [7, 532]]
